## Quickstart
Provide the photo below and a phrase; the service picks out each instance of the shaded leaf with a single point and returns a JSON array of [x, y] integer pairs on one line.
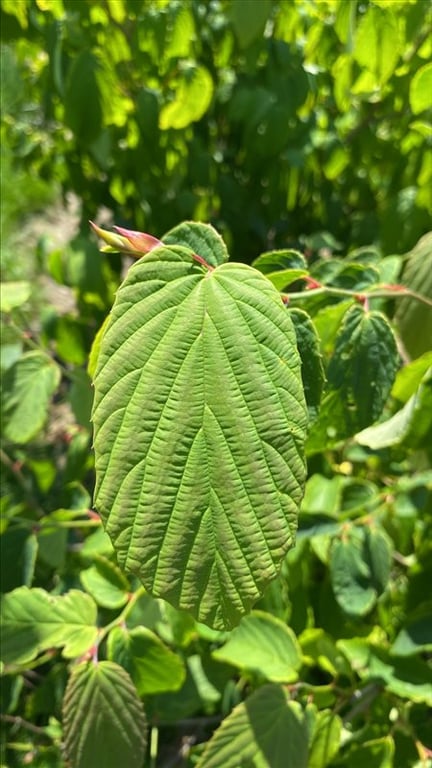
[[193, 94], [360, 568], [281, 267], [103, 718], [410, 678], [266, 730], [14, 294], [19, 548], [413, 318], [364, 363], [415, 636], [248, 18]]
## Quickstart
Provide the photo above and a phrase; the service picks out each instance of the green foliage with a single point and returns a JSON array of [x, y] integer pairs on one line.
[[270, 119], [300, 130], [185, 369]]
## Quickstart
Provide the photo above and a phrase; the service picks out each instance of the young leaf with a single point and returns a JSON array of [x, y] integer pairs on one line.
[[199, 422], [33, 620], [27, 388], [104, 720], [152, 666], [264, 644], [267, 729]]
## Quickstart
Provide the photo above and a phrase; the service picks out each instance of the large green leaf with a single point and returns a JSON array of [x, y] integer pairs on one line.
[[104, 720], [264, 644], [200, 422], [27, 388], [33, 620], [266, 731]]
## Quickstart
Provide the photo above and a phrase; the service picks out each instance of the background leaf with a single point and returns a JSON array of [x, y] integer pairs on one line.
[[152, 666], [27, 389], [265, 645], [364, 363], [266, 730], [33, 621], [103, 718]]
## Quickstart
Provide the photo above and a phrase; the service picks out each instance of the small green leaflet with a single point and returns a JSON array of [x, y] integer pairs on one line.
[[199, 422]]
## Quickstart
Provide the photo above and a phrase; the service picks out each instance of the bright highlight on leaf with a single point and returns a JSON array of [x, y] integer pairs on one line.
[[200, 422]]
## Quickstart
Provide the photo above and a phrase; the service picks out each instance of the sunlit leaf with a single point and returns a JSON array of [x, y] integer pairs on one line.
[[264, 644]]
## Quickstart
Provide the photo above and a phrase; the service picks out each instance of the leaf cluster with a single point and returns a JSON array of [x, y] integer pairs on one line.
[[127, 647]]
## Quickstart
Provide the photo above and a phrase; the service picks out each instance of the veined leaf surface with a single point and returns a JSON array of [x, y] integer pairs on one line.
[[200, 423]]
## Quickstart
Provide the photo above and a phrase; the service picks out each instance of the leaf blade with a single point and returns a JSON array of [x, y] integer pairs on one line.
[[214, 354]]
